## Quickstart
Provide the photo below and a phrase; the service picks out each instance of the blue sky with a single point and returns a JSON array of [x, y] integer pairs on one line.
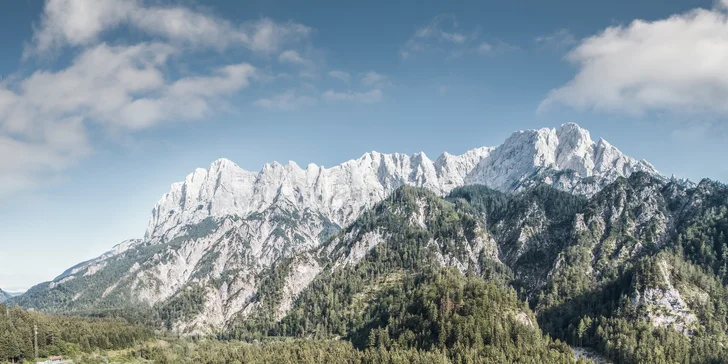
[[103, 104]]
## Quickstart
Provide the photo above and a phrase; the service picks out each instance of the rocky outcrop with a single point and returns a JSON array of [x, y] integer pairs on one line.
[[664, 304]]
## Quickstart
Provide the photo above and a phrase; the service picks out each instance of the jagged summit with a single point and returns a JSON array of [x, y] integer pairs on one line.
[[339, 193], [546, 151]]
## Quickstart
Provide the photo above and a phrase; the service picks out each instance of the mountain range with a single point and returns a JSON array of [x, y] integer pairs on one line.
[[590, 238], [226, 221]]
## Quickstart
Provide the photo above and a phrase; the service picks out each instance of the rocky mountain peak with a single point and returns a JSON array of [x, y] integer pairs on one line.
[[341, 192], [338, 193], [534, 156]]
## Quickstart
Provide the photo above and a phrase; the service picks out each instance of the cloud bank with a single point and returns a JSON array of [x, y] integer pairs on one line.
[[676, 65]]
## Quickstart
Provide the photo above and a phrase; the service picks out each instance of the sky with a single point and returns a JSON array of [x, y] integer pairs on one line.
[[104, 104]]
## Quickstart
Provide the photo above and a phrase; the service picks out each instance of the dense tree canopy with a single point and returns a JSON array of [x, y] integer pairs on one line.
[[62, 335]]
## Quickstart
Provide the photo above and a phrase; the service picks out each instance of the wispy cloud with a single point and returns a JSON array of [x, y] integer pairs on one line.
[[496, 47], [366, 97], [694, 132], [373, 83], [374, 79], [340, 75], [445, 35], [287, 101], [83, 22], [294, 58], [443, 28], [558, 40]]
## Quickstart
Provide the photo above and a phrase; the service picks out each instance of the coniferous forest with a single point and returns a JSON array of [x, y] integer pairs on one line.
[[62, 335], [604, 274]]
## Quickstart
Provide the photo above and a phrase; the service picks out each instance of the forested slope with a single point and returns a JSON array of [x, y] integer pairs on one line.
[[62, 335]]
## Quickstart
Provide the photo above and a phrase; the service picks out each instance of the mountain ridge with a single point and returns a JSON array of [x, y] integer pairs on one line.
[[539, 155], [4, 296], [623, 272], [218, 231]]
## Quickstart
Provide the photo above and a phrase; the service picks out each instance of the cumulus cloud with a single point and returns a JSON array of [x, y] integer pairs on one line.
[[367, 97], [83, 22], [120, 86], [287, 101], [371, 80], [50, 118], [187, 98], [44, 117], [340, 75], [676, 64], [444, 34]]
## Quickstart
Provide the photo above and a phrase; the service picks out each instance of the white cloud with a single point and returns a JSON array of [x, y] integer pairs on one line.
[[444, 34], [340, 75], [44, 117], [78, 22], [52, 118], [373, 79], [82, 22], [293, 57], [367, 97], [558, 40], [676, 64], [443, 28], [54, 147], [187, 98], [121, 86], [288, 100]]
